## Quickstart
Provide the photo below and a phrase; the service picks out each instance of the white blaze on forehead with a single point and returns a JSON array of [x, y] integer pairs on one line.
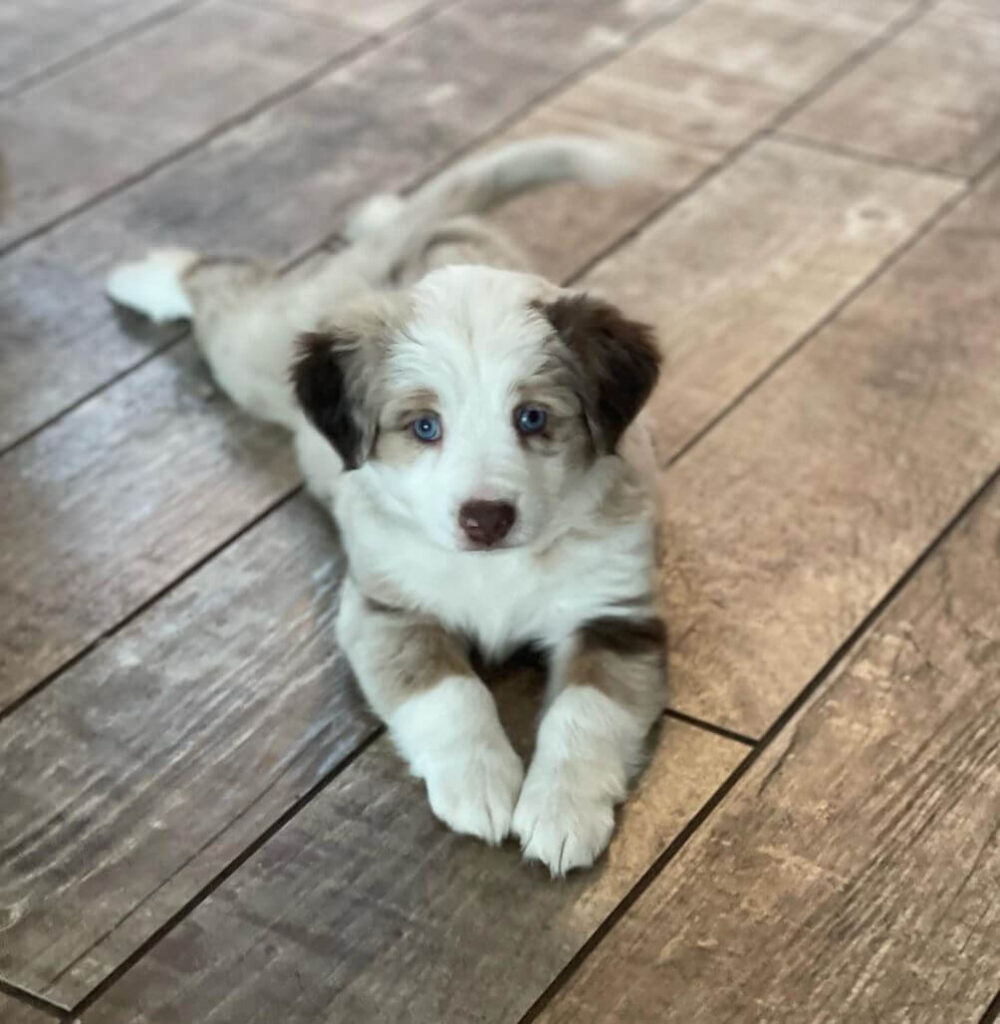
[[474, 326]]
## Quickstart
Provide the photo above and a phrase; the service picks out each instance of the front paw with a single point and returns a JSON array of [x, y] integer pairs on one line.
[[473, 791], [563, 824]]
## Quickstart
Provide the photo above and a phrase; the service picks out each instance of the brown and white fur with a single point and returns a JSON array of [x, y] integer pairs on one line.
[[490, 534]]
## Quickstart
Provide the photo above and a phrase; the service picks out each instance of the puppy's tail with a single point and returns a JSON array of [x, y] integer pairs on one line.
[[488, 180], [154, 286]]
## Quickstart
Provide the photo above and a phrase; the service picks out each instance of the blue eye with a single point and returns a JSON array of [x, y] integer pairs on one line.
[[530, 419], [427, 428]]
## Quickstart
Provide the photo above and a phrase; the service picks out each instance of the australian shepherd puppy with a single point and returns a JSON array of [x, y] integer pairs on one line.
[[474, 430]]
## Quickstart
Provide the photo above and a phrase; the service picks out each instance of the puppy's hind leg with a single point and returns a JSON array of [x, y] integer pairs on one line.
[[242, 329]]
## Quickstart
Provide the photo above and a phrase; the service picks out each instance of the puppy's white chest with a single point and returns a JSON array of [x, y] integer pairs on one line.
[[504, 599]]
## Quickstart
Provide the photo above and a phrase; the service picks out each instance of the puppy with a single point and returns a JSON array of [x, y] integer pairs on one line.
[[474, 430]]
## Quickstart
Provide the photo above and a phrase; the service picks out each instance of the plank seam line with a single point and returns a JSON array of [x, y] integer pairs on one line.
[[326, 241], [935, 218], [231, 868], [317, 20], [363, 736], [104, 45], [704, 723], [834, 662], [22, 995], [365, 45], [861, 156], [881, 39], [131, 616]]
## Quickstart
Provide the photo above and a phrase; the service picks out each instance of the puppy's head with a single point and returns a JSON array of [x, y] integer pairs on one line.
[[477, 401]]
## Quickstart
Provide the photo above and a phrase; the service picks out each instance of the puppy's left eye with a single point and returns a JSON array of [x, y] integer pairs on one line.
[[427, 428], [530, 419]]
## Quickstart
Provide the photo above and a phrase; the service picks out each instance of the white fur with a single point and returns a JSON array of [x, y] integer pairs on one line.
[[153, 285], [452, 738], [588, 746]]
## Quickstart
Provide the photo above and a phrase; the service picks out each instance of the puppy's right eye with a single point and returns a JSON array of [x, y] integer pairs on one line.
[[427, 428]]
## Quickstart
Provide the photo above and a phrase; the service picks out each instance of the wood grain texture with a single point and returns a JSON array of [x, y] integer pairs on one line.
[[365, 908], [979, 8], [786, 46], [852, 874], [113, 503], [14, 1012], [895, 106], [275, 185], [129, 106], [35, 36], [734, 275], [796, 514], [373, 16], [850, 13], [161, 756]]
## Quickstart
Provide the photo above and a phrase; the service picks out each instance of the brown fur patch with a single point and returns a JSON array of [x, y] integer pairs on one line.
[[624, 658], [616, 361], [337, 376], [412, 653]]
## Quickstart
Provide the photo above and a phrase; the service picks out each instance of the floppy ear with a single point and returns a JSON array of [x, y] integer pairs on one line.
[[616, 359], [332, 386]]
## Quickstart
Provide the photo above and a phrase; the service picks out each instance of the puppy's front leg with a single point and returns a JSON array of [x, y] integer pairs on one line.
[[440, 714], [609, 686]]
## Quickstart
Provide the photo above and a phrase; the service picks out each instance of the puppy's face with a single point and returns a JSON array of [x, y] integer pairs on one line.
[[478, 401]]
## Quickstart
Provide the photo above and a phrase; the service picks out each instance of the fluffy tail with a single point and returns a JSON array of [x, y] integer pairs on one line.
[[485, 181], [154, 285]]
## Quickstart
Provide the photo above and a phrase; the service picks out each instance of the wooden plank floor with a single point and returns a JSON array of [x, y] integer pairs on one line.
[[199, 819]]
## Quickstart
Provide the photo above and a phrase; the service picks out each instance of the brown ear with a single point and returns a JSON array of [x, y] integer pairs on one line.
[[332, 387], [617, 361]]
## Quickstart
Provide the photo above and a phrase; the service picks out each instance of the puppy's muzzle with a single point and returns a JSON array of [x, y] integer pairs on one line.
[[486, 522]]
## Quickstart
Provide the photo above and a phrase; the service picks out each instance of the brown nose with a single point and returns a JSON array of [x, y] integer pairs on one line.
[[486, 522]]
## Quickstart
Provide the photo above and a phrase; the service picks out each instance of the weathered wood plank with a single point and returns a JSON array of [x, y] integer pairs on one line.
[[373, 16], [125, 436], [852, 874], [364, 908], [788, 46], [12, 1011], [161, 756], [36, 36], [86, 130], [739, 271], [929, 99], [111, 504], [795, 515], [378, 122], [866, 13]]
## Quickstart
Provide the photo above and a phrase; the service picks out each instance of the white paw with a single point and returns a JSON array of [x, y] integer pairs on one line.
[[153, 285], [473, 791], [562, 824]]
